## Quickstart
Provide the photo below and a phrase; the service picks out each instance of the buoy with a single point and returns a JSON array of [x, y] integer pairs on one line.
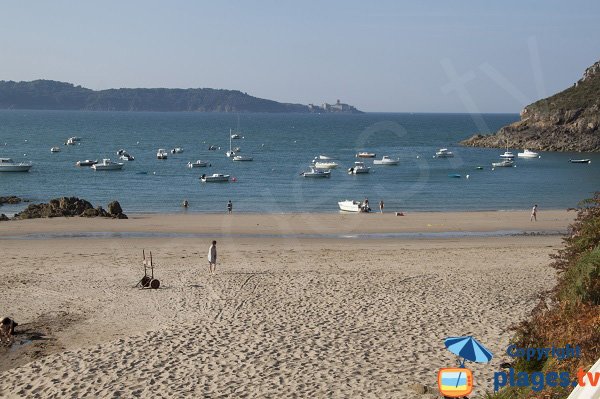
[[233, 179], [418, 157], [467, 176]]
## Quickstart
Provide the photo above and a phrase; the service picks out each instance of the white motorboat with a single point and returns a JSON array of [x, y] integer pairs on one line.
[[444, 153], [215, 178], [580, 160], [72, 141], [162, 153], [325, 158], [177, 150], [365, 155], [506, 163], [507, 155], [528, 154], [315, 172], [325, 164], [87, 162], [236, 136], [8, 165], [351, 206], [385, 160], [75, 138], [125, 156], [242, 158], [55, 149], [358, 168], [198, 164], [107, 164]]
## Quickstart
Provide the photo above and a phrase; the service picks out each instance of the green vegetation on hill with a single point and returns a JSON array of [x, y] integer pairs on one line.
[[570, 314], [53, 95]]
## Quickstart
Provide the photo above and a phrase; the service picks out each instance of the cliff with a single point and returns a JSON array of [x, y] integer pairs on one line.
[[567, 121], [53, 95]]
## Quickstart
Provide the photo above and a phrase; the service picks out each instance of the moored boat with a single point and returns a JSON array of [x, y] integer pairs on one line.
[[444, 153], [506, 163], [365, 154], [580, 160], [107, 164], [177, 150], [162, 153], [352, 206], [358, 168], [215, 178], [8, 165], [55, 149], [316, 173], [87, 162], [528, 154], [325, 164], [198, 164], [385, 160]]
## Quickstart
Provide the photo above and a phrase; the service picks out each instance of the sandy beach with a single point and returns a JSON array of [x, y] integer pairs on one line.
[[284, 316]]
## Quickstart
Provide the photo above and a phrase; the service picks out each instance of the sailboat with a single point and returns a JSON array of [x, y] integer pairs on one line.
[[230, 153], [507, 154]]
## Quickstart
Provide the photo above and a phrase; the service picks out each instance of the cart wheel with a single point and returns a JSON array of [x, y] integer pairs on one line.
[[145, 281], [154, 284]]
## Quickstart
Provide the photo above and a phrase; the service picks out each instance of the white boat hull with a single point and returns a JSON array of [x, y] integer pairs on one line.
[[16, 168], [349, 206], [504, 164], [241, 158], [197, 164], [215, 178], [326, 165], [316, 174], [386, 162]]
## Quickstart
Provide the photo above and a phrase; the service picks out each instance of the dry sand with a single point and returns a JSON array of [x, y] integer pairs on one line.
[[283, 317]]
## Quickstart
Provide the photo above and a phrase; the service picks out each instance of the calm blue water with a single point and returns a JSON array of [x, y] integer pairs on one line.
[[282, 146]]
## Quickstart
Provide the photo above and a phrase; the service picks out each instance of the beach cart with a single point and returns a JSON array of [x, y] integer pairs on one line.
[[148, 281]]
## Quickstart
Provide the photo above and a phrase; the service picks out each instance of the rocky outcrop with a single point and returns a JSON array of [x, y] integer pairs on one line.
[[567, 121], [115, 210], [65, 207], [10, 200]]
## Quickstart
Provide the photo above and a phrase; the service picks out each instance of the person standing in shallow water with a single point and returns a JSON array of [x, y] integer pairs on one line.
[[381, 206], [533, 214], [212, 257], [229, 207]]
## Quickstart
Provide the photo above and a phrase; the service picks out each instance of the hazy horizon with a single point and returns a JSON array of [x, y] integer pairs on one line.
[[437, 57]]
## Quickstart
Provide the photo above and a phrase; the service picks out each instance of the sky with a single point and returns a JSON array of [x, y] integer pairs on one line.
[[380, 56]]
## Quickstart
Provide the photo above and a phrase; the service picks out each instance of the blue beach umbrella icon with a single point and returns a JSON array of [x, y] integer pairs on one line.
[[469, 349]]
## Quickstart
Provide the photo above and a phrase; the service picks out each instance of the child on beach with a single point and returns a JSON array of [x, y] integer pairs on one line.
[[212, 257]]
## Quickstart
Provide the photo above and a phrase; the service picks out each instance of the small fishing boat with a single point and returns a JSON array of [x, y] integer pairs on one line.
[[507, 155], [236, 136], [242, 158], [212, 147], [72, 141], [107, 164], [162, 153], [177, 150], [528, 154], [315, 172], [8, 165], [385, 160], [444, 153], [87, 162], [352, 206], [325, 164], [215, 178], [580, 160], [506, 163], [198, 164], [125, 156], [55, 149], [358, 168], [365, 154]]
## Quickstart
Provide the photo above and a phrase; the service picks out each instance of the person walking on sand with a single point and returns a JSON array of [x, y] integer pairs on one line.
[[212, 257], [229, 207], [533, 214], [381, 206]]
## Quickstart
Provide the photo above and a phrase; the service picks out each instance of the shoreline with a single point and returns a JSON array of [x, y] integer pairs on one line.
[[297, 225]]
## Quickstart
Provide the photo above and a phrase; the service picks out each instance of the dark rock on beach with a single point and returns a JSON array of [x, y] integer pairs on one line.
[[567, 121], [65, 207], [115, 210], [10, 200], [3, 217]]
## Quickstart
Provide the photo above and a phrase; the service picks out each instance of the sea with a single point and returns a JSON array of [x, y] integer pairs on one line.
[[282, 147]]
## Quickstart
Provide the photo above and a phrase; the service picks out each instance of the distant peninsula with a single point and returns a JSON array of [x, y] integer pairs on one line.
[[567, 121], [53, 95]]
